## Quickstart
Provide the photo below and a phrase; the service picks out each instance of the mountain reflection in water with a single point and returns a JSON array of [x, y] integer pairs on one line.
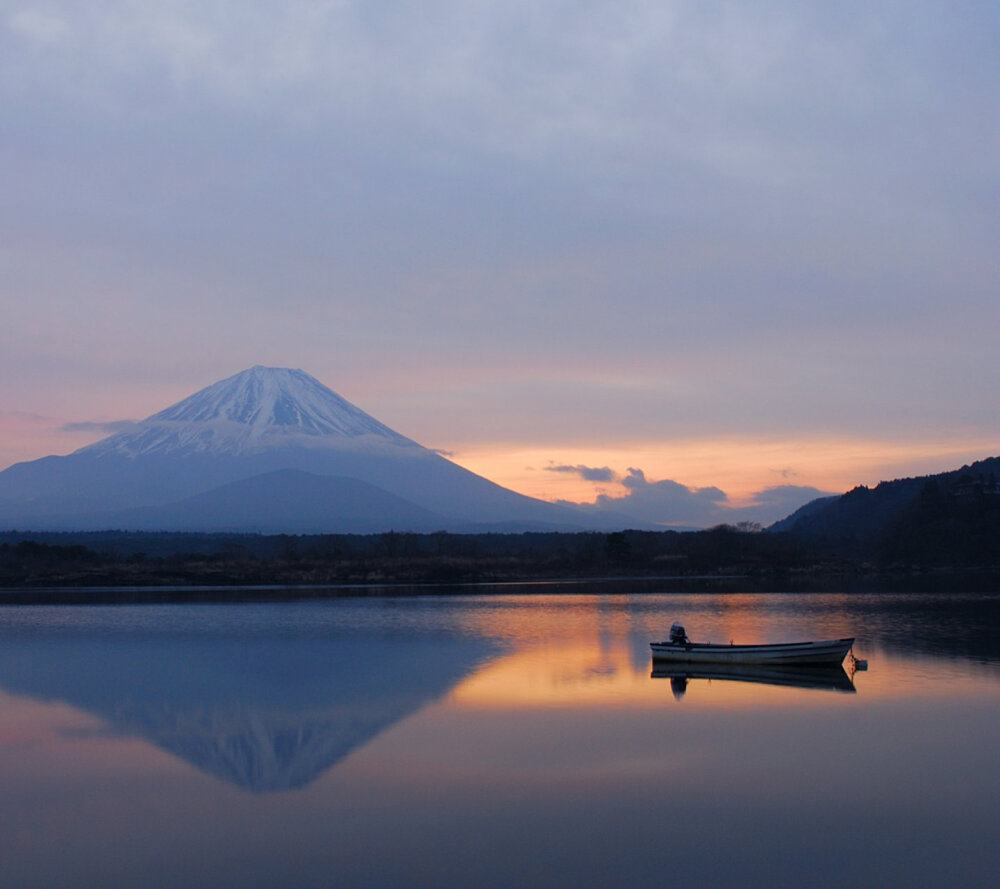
[[263, 713]]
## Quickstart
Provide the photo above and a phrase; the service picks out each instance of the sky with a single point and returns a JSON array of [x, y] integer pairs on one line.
[[686, 257]]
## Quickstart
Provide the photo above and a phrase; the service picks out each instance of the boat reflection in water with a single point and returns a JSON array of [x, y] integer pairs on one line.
[[809, 677]]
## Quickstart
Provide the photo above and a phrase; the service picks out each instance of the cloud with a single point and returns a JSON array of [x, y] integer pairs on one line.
[[670, 503], [784, 497], [107, 426], [665, 502], [41, 26], [26, 418], [587, 473]]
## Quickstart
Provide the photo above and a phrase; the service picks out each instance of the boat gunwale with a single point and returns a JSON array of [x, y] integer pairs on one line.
[[751, 646]]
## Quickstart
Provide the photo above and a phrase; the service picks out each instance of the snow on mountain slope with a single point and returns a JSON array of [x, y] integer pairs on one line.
[[253, 411]]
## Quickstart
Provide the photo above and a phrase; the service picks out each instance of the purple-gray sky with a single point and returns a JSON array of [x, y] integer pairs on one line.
[[743, 246]]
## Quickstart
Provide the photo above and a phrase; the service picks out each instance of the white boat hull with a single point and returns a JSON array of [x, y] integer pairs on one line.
[[788, 653]]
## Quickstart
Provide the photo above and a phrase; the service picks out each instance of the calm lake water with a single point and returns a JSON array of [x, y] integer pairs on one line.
[[496, 741]]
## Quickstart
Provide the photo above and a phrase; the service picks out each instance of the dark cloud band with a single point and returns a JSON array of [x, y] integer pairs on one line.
[[587, 473]]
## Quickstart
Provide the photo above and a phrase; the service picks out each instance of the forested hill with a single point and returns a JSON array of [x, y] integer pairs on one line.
[[952, 518]]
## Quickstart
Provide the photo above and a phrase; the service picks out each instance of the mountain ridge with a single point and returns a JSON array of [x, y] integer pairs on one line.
[[260, 421], [942, 517], [298, 502]]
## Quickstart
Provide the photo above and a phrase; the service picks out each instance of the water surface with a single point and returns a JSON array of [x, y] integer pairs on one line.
[[496, 741]]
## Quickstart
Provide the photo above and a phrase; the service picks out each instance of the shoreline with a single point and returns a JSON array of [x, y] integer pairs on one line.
[[957, 582]]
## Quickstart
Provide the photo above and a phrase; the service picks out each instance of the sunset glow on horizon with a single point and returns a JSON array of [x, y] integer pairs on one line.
[[742, 468]]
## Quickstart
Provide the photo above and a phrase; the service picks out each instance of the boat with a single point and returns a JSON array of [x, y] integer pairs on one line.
[[679, 649]]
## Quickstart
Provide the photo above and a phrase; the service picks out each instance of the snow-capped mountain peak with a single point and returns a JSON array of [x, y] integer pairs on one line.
[[253, 410]]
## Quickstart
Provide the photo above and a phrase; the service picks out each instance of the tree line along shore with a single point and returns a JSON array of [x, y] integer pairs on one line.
[[114, 558]]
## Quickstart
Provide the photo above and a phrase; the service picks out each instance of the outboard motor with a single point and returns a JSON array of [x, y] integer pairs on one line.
[[677, 634]]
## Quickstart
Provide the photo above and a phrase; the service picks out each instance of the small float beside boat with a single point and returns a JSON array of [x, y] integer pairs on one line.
[[679, 649]]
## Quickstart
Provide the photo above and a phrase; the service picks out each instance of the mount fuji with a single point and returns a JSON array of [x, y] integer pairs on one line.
[[269, 450]]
